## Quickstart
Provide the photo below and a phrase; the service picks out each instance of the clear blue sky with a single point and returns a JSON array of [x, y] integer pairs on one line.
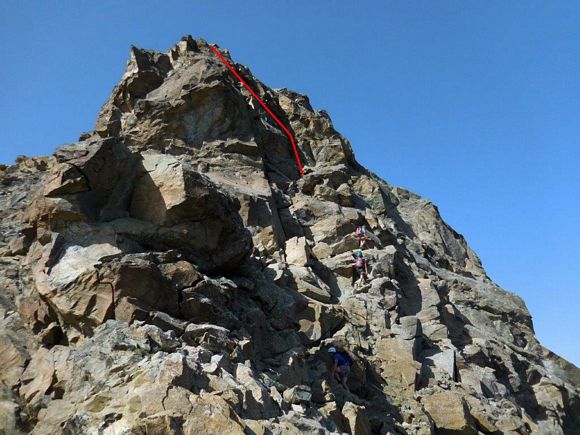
[[474, 105]]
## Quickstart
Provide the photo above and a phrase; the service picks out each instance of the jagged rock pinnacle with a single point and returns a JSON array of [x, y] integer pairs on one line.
[[173, 265]]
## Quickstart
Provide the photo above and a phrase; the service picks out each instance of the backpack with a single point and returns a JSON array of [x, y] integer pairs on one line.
[[344, 359], [360, 230], [360, 262]]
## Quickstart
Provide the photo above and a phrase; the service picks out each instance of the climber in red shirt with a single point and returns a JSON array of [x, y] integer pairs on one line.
[[361, 234], [360, 266]]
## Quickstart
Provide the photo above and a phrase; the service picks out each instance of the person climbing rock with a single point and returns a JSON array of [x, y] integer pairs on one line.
[[361, 266], [341, 364], [361, 234]]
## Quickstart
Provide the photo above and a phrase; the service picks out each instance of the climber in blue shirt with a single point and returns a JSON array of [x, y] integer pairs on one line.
[[342, 363]]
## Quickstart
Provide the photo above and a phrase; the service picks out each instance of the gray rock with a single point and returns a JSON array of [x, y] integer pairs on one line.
[[298, 394], [408, 328], [173, 264]]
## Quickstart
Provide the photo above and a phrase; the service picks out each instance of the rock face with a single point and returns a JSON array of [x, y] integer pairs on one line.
[[171, 272]]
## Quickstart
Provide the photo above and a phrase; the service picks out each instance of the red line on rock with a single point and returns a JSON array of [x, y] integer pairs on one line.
[[266, 108]]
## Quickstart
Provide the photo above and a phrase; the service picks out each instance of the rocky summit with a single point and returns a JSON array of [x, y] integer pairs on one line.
[[173, 273]]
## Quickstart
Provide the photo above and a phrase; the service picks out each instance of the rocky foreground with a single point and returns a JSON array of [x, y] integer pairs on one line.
[[171, 272]]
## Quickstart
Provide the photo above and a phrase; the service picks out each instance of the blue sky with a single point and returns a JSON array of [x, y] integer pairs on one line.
[[474, 105]]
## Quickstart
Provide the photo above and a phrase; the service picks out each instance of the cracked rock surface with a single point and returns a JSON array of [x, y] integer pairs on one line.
[[171, 272]]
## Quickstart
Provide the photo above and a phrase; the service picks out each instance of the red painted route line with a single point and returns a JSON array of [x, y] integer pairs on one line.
[[266, 108]]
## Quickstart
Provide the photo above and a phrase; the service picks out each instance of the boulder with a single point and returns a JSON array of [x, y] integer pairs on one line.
[[449, 413], [75, 289], [13, 359], [305, 281], [223, 418], [194, 215], [481, 415], [357, 419], [298, 394], [215, 338], [442, 361], [318, 320], [9, 409], [258, 403], [408, 328], [397, 364], [297, 251], [291, 368], [89, 170], [42, 373], [66, 179], [207, 302]]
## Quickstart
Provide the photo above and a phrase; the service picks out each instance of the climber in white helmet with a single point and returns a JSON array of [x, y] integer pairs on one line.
[[341, 364]]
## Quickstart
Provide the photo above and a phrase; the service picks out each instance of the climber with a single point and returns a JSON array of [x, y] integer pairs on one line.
[[361, 233], [360, 266], [341, 365]]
